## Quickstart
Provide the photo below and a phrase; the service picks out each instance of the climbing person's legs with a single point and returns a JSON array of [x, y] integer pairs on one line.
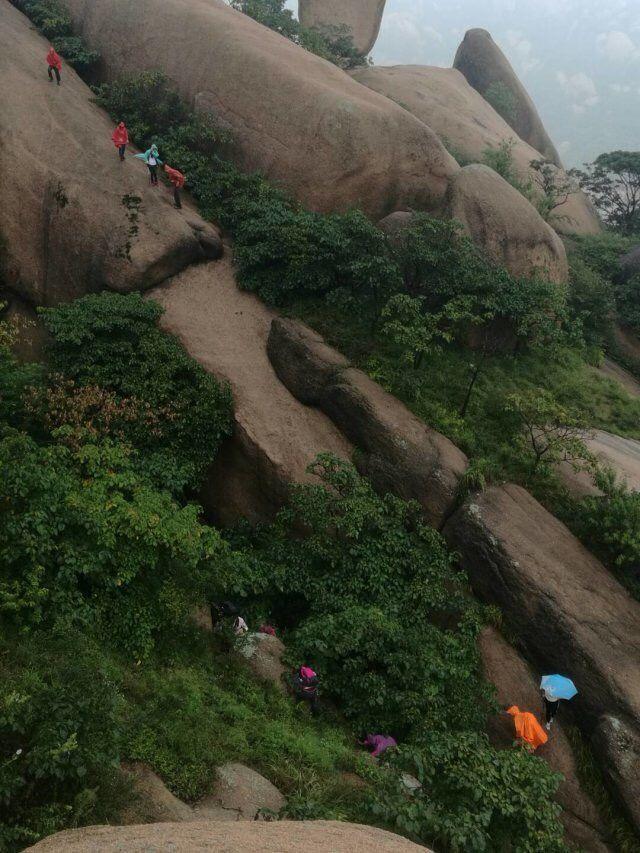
[[153, 174], [52, 71], [121, 151], [176, 197], [551, 709]]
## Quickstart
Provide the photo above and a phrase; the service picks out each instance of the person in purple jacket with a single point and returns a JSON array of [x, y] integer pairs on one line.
[[377, 744]]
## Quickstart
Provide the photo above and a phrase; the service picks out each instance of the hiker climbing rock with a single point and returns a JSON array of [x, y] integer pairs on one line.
[[305, 685], [554, 688], [120, 137], [529, 732], [152, 159], [240, 627], [379, 744], [54, 65], [220, 611], [177, 180]]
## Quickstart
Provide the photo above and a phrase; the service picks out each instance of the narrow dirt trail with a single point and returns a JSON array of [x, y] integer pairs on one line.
[[276, 437]]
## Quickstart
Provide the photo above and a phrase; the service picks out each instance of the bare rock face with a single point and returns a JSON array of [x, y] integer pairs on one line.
[[154, 802], [505, 225], [613, 451], [468, 126], [484, 65], [398, 452], [617, 740], [258, 837], [264, 653], [362, 18], [567, 610], [74, 219], [516, 685], [243, 790], [296, 118]]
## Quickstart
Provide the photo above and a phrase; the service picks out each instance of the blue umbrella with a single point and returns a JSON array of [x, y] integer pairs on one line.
[[558, 686]]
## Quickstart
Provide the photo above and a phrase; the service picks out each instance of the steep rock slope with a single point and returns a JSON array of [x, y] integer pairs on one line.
[[63, 223], [361, 17], [257, 837], [483, 64], [567, 610], [295, 117], [275, 437], [398, 452], [468, 125], [505, 225], [516, 685], [614, 451]]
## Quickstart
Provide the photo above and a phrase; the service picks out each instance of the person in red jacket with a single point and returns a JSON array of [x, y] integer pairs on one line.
[[120, 137], [177, 179], [54, 64]]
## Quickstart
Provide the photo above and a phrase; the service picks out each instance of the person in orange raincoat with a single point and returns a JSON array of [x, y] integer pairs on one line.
[[54, 65], [528, 729], [120, 137], [177, 179]]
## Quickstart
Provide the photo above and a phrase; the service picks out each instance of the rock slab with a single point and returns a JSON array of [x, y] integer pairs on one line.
[[244, 791], [516, 685], [361, 18], [65, 229], [468, 126], [296, 118], [256, 837], [567, 610], [483, 64], [397, 451]]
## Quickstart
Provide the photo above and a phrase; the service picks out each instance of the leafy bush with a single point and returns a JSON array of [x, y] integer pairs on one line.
[[84, 540], [113, 342], [591, 302], [613, 183], [473, 798], [59, 736]]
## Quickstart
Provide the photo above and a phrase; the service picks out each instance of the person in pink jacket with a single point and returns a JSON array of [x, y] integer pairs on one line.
[[377, 744], [54, 65]]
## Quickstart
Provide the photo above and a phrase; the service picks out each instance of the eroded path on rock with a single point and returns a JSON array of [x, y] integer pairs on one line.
[[276, 437]]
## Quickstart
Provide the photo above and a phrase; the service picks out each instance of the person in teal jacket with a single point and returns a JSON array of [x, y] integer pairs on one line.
[[152, 159]]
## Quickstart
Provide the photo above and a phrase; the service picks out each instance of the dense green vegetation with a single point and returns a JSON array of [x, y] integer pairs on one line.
[[53, 20]]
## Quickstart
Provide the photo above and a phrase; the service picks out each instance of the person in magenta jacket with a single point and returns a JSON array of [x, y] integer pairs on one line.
[[377, 744]]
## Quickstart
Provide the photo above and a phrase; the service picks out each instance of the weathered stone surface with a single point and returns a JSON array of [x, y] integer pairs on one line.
[[362, 19], [242, 789], [505, 225], [63, 223], [622, 455], [630, 264], [618, 743], [468, 126], [264, 653], [154, 802], [275, 437], [398, 452], [516, 685], [483, 64], [256, 837], [567, 610], [296, 118]]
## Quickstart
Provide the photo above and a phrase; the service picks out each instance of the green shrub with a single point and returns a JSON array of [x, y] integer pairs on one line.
[[59, 736], [54, 22], [473, 798], [84, 540], [591, 303], [602, 252], [113, 342]]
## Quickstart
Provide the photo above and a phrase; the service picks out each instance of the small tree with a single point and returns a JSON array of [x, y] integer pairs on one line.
[[555, 186], [613, 182], [549, 432]]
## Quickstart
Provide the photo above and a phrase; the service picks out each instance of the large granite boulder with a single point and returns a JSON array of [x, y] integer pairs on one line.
[[516, 684], [622, 455], [468, 126], [397, 451], [241, 789], [296, 118], [258, 837], [65, 227], [484, 65], [566, 609], [361, 18], [505, 225], [264, 652]]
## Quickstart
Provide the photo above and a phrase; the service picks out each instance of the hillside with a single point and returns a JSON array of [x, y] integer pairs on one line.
[[341, 409]]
